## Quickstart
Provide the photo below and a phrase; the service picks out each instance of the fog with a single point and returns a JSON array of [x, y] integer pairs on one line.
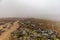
[[43, 9]]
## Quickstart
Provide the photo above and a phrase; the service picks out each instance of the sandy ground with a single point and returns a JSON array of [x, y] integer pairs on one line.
[[6, 34]]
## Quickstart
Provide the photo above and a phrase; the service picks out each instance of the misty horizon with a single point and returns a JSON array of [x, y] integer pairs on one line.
[[45, 9]]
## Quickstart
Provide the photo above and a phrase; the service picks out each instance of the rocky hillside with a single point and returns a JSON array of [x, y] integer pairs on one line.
[[28, 29]]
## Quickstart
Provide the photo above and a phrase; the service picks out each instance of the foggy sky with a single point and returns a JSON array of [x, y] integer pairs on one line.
[[45, 9]]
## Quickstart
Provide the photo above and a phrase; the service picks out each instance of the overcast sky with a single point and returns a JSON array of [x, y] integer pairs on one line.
[[46, 9]]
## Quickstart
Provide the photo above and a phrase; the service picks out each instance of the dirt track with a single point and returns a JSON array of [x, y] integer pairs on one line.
[[7, 32]]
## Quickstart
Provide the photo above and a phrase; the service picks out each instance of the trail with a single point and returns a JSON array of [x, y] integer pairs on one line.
[[7, 32]]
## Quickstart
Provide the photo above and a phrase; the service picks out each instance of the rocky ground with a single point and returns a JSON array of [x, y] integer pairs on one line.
[[28, 29]]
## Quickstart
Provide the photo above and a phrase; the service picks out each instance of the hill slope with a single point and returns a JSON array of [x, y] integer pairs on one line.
[[13, 26]]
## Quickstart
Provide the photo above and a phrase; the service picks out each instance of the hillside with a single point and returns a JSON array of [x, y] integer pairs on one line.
[[25, 28]]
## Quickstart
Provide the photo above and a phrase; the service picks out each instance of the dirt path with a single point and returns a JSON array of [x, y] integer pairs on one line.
[[6, 34]]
